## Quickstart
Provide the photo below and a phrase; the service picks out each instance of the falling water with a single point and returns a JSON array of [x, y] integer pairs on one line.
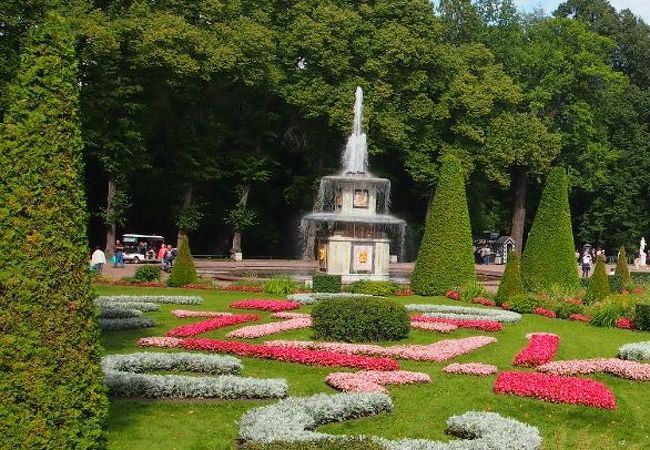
[[355, 156]]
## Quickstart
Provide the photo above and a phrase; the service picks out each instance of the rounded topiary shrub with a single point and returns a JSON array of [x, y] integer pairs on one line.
[[322, 282], [360, 320]]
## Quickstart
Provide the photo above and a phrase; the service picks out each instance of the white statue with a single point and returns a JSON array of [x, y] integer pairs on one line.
[[642, 255]]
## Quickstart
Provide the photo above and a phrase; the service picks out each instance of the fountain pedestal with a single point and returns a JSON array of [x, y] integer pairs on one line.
[[355, 258]]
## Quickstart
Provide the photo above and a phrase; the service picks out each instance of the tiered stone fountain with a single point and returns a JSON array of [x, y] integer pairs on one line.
[[354, 231]]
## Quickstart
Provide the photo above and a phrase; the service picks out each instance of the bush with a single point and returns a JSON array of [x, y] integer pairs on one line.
[[616, 284], [322, 444], [549, 255], [598, 288], [470, 291], [606, 312], [564, 309], [524, 304], [621, 267], [445, 260], [183, 271], [326, 283], [511, 284], [640, 277], [280, 285], [360, 320], [146, 273], [51, 385], [380, 288], [642, 316]]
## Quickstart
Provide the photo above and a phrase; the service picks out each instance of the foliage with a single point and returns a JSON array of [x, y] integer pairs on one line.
[[606, 312], [598, 288], [524, 304], [469, 291], [183, 271], [642, 278], [280, 285], [360, 320], [621, 267], [511, 284], [51, 388], [616, 284], [378, 288], [549, 256], [241, 218], [642, 316], [189, 219], [445, 260], [565, 309], [326, 283], [322, 444], [147, 273]]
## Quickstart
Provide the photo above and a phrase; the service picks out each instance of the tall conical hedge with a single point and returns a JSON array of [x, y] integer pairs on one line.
[[51, 384], [549, 255], [183, 271], [598, 287], [445, 260], [621, 266], [511, 284]]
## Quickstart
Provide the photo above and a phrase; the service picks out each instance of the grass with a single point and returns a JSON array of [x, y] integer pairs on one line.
[[419, 411]]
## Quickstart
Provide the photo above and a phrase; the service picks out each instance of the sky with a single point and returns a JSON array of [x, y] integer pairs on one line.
[[638, 7]]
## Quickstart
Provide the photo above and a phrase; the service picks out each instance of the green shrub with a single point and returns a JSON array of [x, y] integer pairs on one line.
[[445, 259], [524, 304], [549, 255], [605, 313], [380, 288], [183, 271], [616, 284], [51, 384], [598, 288], [147, 273], [565, 309], [360, 320], [280, 285], [323, 444], [584, 282], [621, 267], [642, 316], [326, 283], [642, 278], [511, 284], [470, 291]]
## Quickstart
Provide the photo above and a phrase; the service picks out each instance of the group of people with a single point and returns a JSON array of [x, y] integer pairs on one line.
[[482, 254], [166, 255], [588, 257]]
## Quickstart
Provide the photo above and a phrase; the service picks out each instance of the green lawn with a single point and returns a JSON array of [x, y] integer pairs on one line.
[[419, 410]]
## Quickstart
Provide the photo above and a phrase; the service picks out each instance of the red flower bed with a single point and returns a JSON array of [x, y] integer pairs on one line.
[[484, 301], [236, 288], [544, 312], [555, 389], [197, 286], [626, 323], [482, 325], [404, 293], [454, 295], [266, 305], [296, 355], [541, 348], [505, 306], [211, 324], [579, 317], [573, 301]]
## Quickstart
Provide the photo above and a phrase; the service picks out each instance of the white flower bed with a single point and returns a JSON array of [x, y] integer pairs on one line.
[[292, 420], [110, 312], [144, 306], [466, 313], [308, 299], [175, 299], [638, 351], [126, 324], [187, 362]]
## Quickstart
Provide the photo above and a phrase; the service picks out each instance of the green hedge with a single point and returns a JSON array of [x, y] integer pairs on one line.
[[616, 284], [326, 283], [183, 271], [380, 288], [51, 385], [642, 316], [549, 255], [147, 273], [360, 320], [524, 304], [598, 288], [621, 266], [640, 277], [445, 259], [511, 284]]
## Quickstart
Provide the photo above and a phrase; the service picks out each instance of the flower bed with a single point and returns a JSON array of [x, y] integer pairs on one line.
[[142, 306], [290, 315], [638, 351], [184, 313], [404, 292], [482, 325], [545, 312], [631, 370], [438, 351], [301, 356], [454, 295], [126, 323], [265, 305], [541, 348], [625, 323], [186, 362], [211, 324], [175, 299], [433, 326], [236, 288], [159, 341], [484, 301], [309, 299], [255, 331], [555, 389], [478, 369], [465, 313], [579, 317], [373, 380]]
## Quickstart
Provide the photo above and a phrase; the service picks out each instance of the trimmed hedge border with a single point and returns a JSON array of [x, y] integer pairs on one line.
[[175, 299], [465, 312], [187, 362], [637, 351], [326, 283], [119, 313], [126, 324]]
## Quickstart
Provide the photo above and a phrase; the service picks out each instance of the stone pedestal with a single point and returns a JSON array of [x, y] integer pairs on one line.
[[357, 258]]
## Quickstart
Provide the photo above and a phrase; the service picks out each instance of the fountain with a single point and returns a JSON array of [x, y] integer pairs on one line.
[[350, 221]]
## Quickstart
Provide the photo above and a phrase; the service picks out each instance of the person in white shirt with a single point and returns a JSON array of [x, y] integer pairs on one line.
[[97, 260], [586, 264]]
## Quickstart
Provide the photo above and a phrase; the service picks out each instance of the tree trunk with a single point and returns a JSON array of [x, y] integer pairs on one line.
[[110, 212], [236, 238], [519, 208], [185, 204]]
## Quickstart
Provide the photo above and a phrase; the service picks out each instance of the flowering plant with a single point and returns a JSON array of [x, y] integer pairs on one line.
[[159, 341], [541, 348], [254, 331], [482, 325], [177, 299], [465, 312], [433, 326], [625, 323], [238, 288], [454, 295], [290, 315], [484, 301], [579, 317], [373, 380], [184, 313], [266, 305], [210, 324], [404, 292], [544, 312], [471, 369], [631, 370]]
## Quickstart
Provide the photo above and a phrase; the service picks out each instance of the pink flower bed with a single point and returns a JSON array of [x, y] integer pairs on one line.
[[255, 331], [184, 313], [555, 389], [484, 301], [434, 326], [625, 323], [579, 317], [545, 312], [454, 295], [471, 369], [373, 380], [170, 342], [438, 351], [211, 324], [541, 348], [482, 325], [301, 356], [290, 315], [631, 370], [265, 305]]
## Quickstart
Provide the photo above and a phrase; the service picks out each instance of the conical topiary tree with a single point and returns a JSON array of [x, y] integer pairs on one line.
[[445, 260], [51, 384], [621, 267], [598, 287], [511, 284], [549, 255], [183, 271]]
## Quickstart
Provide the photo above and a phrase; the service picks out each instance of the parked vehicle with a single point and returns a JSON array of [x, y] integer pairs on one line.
[[141, 248]]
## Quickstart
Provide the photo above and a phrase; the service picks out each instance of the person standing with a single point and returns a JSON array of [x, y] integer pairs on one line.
[[97, 260], [118, 257], [586, 264]]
